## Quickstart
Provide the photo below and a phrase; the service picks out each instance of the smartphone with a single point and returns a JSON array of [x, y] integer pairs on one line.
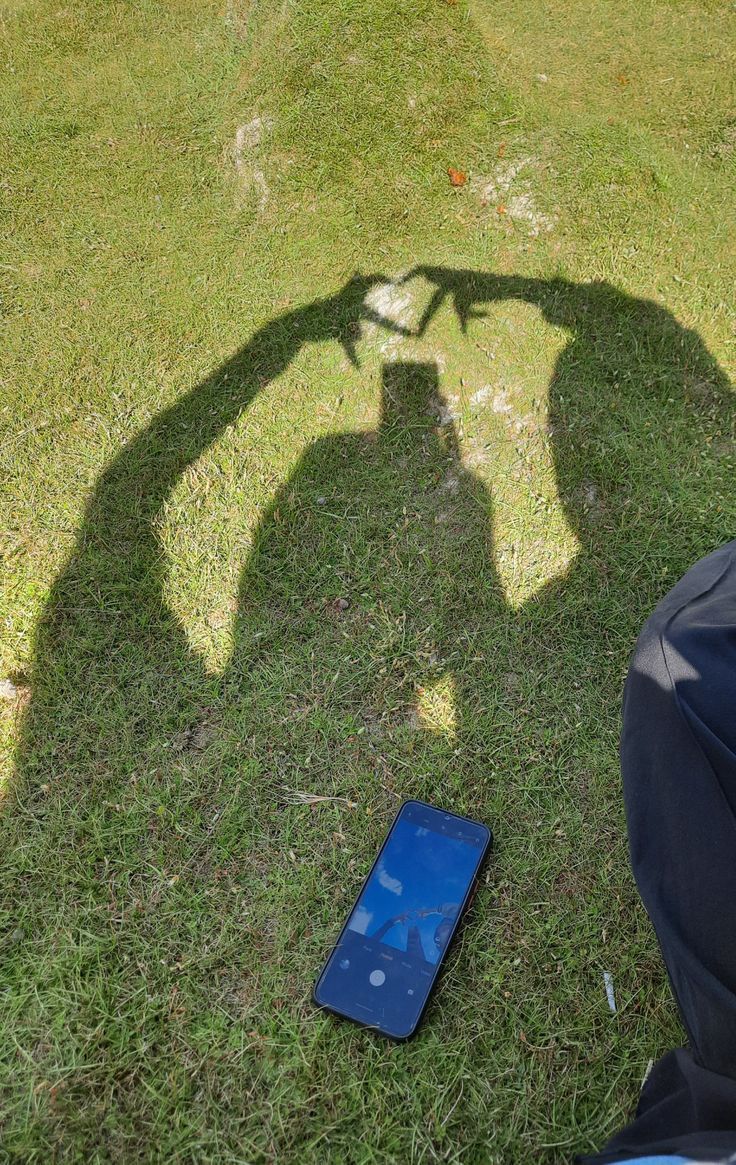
[[387, 958]]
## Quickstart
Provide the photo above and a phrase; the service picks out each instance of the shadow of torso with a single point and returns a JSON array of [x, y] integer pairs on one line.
[[369, 574]]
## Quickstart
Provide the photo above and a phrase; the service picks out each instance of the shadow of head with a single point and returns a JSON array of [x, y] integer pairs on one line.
[[409, 393], [641, 419]]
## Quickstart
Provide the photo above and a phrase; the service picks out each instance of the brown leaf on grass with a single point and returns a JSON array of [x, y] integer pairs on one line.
[[457, 177], [501, 208], [622, 79], [502, 150]]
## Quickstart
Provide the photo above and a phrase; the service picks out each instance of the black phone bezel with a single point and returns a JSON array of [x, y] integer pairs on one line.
[[472, 887]]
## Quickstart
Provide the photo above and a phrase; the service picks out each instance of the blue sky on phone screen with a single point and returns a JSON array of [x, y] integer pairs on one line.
[[420, 870]]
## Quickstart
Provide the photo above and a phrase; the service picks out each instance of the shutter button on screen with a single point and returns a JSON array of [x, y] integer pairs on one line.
[[377, 978]]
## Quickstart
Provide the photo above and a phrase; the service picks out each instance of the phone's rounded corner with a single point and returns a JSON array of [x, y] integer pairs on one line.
[[402, 1037], [488, 832], [316, 1000]]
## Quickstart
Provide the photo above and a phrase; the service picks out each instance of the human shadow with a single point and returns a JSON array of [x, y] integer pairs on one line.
[[372, 641], [369, 566]]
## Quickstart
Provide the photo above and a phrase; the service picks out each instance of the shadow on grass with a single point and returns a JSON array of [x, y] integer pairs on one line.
[[148, 791]]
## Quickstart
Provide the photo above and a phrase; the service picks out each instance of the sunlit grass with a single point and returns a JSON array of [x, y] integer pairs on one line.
[[330, 610]]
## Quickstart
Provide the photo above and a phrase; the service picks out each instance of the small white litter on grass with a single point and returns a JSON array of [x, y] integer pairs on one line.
[[505, 189], [247, 140], [608, 980], [446, 411], [482, 395], [499, 399], [395, 302], [500, 403], [392, 301], [647, 1072], [521, 208], [477, 455], [247, 137], [8, 690]]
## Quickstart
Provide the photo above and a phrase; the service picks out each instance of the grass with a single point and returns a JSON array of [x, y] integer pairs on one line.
[[207, 442]]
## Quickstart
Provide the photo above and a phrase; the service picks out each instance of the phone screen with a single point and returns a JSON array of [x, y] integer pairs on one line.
[[386, 959]]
